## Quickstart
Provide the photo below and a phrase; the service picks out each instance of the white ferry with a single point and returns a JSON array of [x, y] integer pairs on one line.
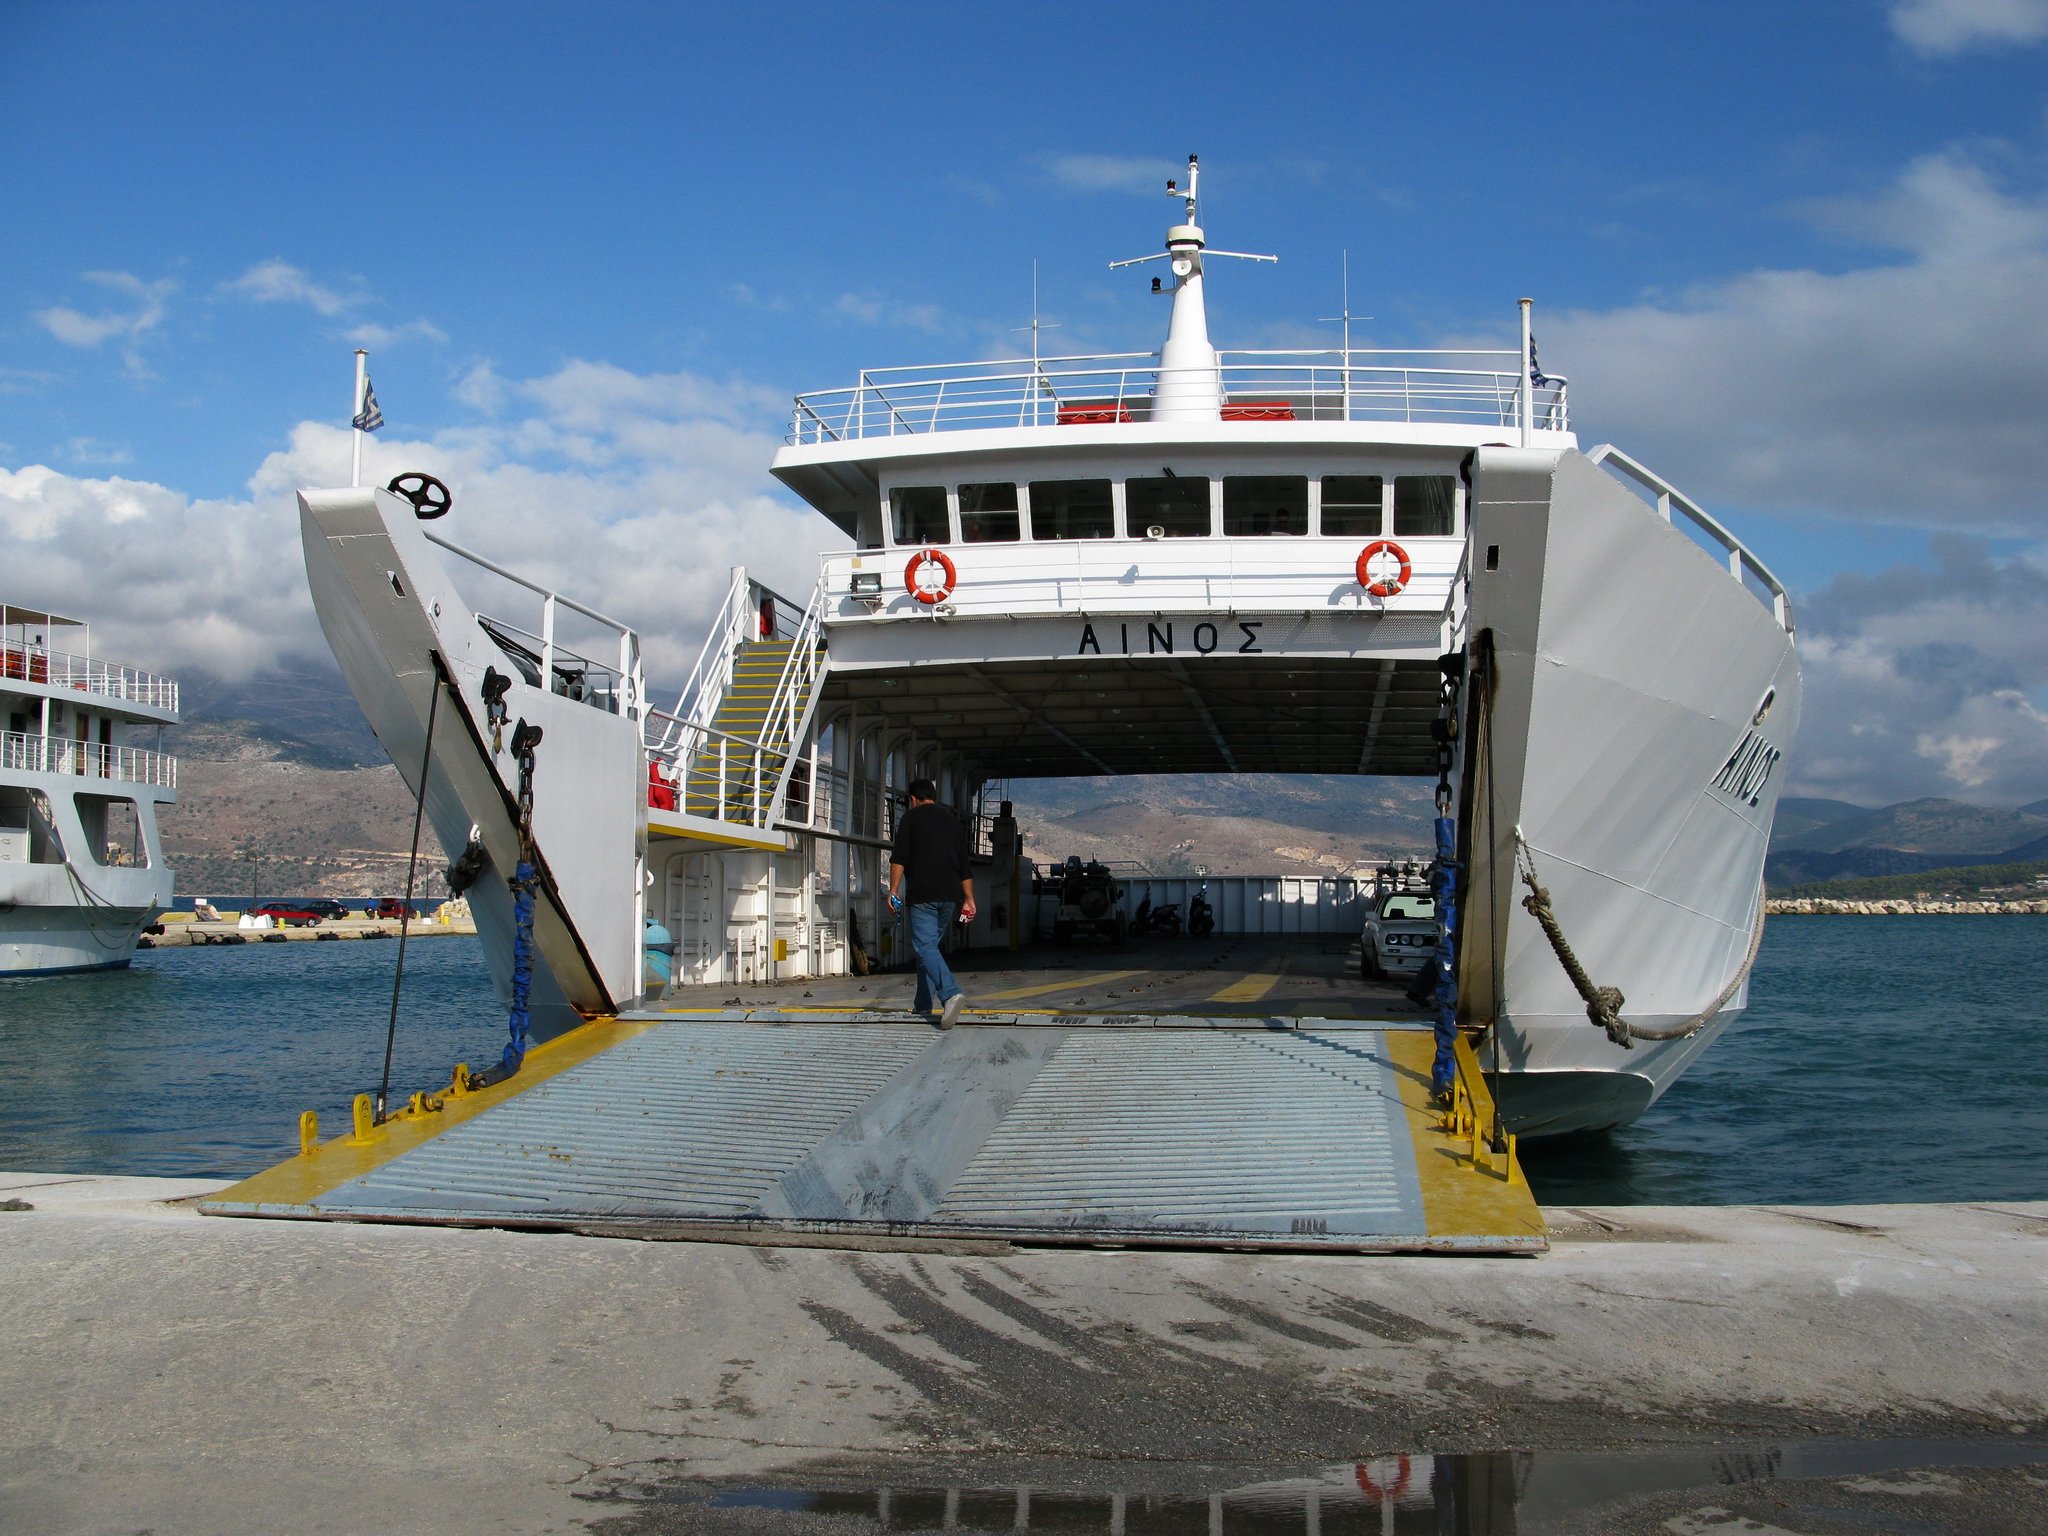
[[82, 870], [1189, 561]]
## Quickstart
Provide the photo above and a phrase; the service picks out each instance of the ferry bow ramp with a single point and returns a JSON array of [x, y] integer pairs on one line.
[[769, 1122]]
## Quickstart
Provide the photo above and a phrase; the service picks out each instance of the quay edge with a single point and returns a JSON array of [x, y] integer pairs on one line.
[[187, 1374]]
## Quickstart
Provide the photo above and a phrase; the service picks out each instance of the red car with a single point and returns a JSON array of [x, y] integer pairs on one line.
[[390, 906], [299, 914]]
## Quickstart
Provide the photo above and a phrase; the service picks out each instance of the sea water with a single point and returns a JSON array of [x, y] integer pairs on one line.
[[1881, 1059]]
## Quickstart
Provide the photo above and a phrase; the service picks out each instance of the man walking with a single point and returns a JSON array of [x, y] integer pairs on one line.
[[928, 870]]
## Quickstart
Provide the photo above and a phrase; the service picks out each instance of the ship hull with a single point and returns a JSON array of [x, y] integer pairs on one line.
[[1630, 703]]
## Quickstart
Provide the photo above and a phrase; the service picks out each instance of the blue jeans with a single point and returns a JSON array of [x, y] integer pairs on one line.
[[929, 921]]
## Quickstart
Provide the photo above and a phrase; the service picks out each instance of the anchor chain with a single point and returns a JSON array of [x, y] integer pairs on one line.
[[1604, 1004]]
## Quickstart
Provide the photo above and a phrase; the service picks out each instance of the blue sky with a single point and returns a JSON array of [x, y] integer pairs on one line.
[[1793, 256]]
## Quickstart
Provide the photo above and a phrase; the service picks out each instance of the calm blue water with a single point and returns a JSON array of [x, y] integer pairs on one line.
[[1881, 1059]]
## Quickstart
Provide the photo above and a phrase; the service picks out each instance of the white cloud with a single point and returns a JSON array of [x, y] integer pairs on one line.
[[1942, 28], [1909, 392], [1113, 173], [90, 450], [76, 329], [635, 493], [279, 282], [1927, 680], [377, 337]]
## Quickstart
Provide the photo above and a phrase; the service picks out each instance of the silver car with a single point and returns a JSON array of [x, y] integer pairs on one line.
[[1399, 935]]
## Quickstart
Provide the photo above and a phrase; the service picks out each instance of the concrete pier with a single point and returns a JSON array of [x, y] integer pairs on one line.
[[180, 1373]]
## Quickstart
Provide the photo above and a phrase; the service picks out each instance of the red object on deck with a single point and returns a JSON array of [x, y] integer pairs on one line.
[[661, 795], [32, 666], [1257, 410], [1093, 415]]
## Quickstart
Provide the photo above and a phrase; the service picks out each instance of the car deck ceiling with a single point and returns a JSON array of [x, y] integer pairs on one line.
[[1207, 714]]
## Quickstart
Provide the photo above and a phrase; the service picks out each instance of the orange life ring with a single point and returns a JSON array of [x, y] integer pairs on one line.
[[1383, 586], [929, 594], [1370, 1487]]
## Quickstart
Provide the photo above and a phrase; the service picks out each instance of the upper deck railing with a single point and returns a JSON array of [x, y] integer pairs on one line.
[[1466, 388], [24, 753], [31, 663]]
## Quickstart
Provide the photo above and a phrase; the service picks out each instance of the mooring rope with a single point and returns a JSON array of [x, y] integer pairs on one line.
[[419, 812], [1604, 1004]]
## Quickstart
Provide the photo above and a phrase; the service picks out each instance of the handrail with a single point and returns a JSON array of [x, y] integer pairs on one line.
[[26, 753], [1321, 384], [1667, 496], [535, 587], [32, 663]]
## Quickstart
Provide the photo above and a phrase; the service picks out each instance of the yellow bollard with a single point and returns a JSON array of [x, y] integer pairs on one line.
[[366, 1120], [459, 1084], [309, 1132]]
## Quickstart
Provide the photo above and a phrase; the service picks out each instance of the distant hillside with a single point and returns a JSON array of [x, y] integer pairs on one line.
[[1904, 839], [304, 704], [260, 810], [1250, 824], [1797, 814], [1968, 881]]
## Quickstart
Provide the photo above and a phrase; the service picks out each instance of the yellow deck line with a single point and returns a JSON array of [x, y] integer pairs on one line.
[[1071, 984], [301, 1180], [1455, 1196], [1249, 990]]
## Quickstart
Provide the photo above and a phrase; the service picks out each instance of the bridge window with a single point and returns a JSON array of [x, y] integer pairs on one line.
[[988, 513], [1177, 505], [1425, 505], [918, 513], [1072, 509], [1354, 506], [1258, 505]]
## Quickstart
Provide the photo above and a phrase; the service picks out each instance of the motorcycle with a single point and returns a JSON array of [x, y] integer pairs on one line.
[[1201, 917], [1163, 919]]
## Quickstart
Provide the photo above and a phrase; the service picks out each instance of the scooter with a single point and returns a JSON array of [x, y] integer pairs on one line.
[[1156, 920], [1201, 918]]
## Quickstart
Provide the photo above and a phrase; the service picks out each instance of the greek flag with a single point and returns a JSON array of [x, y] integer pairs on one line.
[[369, 418], [1537, 376]]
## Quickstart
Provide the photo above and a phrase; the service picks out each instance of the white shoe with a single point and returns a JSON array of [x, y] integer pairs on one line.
[[950, 1014]]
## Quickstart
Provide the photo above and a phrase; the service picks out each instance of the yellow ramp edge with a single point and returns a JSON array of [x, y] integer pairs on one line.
[[1486, 1196], [297, 1182]]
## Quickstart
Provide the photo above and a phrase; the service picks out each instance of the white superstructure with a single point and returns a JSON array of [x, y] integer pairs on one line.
[[1202, 561], [82, 772]]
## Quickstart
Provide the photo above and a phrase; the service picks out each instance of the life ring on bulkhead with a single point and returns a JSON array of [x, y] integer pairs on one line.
[[1371, 1486], [920, 564], [1383, 585]]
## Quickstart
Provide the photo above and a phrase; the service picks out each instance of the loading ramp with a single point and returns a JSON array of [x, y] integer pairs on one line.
[[1199, 1098]]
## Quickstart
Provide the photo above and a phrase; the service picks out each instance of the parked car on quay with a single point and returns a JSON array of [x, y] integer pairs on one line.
[[390, 906], [302, 912]]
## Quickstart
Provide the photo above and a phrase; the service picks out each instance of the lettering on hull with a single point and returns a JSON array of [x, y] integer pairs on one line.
[[1748, 769], [1203, 639]]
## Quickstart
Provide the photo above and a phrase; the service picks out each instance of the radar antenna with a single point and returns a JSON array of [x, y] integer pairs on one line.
[[1190, 377]]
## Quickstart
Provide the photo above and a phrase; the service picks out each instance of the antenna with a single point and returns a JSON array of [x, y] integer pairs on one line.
[[1184, 243], [1040, 385], [1347, 317]]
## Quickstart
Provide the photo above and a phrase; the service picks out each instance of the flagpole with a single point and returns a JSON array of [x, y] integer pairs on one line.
[[355, 411]]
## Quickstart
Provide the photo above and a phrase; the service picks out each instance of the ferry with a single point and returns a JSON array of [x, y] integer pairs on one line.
[[1337, 561], [82, 868]]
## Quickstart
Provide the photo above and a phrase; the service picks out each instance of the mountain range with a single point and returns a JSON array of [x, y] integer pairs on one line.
[[284, 786]]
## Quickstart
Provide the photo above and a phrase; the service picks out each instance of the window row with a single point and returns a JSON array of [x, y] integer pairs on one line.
[[1173, 506]]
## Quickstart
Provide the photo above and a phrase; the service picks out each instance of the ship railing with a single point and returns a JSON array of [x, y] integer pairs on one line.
[[25, 753], [1676, 508], [750, 611], [795, 700], [1448, 386], [618, 688], [679, 752], [1122, 576], [106, 679]]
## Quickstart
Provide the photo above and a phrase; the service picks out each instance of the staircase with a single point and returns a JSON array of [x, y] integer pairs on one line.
[[724, 780], [728, 749]]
